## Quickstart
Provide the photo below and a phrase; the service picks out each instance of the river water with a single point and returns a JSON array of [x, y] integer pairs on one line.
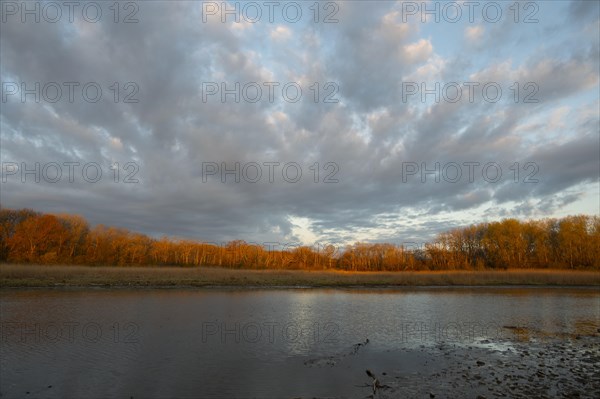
[[276, 343]]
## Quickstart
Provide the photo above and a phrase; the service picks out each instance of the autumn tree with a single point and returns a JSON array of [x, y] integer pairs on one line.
[[38, 239], [571, 242], [9, 220]]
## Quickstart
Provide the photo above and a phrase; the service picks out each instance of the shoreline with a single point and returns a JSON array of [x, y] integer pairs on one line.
[[405, 288], [120, 277]]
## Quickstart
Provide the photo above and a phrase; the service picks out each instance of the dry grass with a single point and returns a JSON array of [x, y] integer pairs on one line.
[[88, 276]]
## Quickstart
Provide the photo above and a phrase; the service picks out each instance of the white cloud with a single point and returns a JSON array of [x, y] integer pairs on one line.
[[557, 117], [115, 143], [418, 52], [474, 33], [281, 33], [393, 28]]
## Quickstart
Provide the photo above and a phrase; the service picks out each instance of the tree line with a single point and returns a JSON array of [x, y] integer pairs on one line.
[[571, 242]]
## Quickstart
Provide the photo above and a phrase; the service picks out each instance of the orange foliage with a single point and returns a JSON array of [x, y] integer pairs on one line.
[[572, 242]]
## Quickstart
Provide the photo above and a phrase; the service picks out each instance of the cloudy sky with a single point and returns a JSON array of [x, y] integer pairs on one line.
[[404, 122]]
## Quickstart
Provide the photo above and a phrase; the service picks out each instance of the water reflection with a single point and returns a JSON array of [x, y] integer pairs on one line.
[[159, 343]]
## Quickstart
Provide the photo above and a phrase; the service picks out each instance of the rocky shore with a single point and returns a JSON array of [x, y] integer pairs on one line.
[[516, 366]]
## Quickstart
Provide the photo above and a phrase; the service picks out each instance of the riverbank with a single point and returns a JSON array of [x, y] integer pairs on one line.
[[503, 367], [15, 276]]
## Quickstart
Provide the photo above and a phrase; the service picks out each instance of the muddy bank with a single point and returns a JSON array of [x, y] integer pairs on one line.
[[541, 367]]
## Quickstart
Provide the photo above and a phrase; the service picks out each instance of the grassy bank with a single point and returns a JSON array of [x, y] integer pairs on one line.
[[87, 276]]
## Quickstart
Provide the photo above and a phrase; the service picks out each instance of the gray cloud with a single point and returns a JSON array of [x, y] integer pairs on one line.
[[370, 134]]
